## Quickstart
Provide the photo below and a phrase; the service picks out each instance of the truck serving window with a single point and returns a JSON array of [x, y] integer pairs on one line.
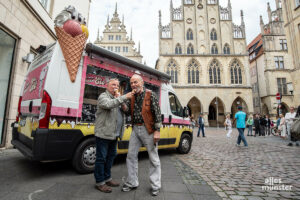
[[175, 105]]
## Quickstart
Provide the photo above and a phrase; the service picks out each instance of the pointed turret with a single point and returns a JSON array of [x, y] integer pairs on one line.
[[229, 9], [123, 24], [107, 23], [139, 48], [242, 18], [116, 9], [131, 34], [277, 4], [261, 24], [269, 12]]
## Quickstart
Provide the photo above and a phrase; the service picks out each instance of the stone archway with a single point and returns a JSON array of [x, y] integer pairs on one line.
[[216, 110], [194, 106], [234, 107]]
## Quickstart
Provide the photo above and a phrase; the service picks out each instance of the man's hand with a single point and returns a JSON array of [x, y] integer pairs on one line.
[[117, 93], [129, 95], [156, 136]]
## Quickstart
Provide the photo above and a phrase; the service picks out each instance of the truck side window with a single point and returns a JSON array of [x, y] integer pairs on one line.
[[175, 105]]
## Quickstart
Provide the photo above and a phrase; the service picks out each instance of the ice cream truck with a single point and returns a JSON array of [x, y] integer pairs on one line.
[[58, 101]]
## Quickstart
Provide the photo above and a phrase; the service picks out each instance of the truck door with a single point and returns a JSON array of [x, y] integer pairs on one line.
[[175, 117]]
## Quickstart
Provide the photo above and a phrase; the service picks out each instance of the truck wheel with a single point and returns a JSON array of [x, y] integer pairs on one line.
[[85, 156], [185, 144]]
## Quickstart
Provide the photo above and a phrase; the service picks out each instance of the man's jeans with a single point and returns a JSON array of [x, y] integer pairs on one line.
[[138, 137], [201, 128], [241, 137], [106, 151]]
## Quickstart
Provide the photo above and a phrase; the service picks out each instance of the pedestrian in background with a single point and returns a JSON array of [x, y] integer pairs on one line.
[[256, 125], [228, 125], [282, 126], [108, 128], [262, 125], [240, 117], [289, 119], [201, 125], [250, 125], [268, 125]]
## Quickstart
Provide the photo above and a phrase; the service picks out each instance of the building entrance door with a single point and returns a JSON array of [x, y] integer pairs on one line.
[[7, 46]]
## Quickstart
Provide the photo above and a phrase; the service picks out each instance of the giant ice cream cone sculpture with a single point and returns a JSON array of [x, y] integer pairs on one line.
[[72, 40]]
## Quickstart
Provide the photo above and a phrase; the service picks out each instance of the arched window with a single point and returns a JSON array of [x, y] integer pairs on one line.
[[189, 35], [193, 72], [178, 49], [214, 49], [213, 34], [190, 49], [172, 71], [226, 49], [236, 73], [214, 73]]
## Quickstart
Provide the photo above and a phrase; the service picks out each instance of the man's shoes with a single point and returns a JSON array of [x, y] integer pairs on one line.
[[127, 188], [290, 144], [112, 183], [155, 192], [237, 145], [104, 188]]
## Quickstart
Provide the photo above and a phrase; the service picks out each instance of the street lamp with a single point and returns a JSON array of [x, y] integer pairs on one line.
[[290, 87]]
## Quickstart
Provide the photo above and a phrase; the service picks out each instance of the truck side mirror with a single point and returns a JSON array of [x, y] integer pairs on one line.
[[170, 119]]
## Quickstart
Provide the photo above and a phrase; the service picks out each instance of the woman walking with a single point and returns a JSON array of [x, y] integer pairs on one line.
[[282, 126], [250, 125], [228, 125]]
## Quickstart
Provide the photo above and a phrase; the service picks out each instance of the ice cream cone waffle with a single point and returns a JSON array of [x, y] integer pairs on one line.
[[72, 48]]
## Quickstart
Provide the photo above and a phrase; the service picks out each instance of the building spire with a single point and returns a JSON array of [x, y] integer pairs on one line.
[[229, 4], [242, 18], [261, 24], [171, 5], [131, 34], [159, 16], [123, 19], [269, 12], [139, 49], [107, 23], [98, 37], [116, 8]]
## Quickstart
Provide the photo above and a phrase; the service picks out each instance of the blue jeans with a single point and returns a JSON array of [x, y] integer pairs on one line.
[[106, 151], [249, 129], [201, 128], [241, 137]]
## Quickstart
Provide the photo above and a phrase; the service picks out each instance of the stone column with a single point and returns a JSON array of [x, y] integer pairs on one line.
[[205, 116]]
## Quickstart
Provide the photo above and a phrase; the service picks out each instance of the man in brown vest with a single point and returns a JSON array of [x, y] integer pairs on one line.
[[146, 120]]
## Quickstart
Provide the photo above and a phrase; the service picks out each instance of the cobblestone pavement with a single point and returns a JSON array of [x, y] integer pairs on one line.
[[236, 172]]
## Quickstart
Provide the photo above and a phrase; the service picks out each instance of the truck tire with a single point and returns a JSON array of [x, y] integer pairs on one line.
[[85, 156], [185, 144]]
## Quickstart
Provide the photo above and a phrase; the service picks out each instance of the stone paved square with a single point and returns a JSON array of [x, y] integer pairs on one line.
[[241, 173]]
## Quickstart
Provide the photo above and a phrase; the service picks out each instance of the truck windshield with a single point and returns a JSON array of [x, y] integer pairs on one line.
[[175, 105]]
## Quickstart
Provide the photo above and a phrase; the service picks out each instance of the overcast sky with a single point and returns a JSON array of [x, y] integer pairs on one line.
[[142, 17]]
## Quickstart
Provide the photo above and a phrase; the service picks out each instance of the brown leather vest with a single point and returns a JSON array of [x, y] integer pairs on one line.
[[146, 111]]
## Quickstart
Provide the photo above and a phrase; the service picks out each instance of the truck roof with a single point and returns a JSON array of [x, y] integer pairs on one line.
[[94, 49]]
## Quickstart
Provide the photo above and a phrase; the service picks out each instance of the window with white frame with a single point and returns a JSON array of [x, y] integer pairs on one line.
[[283, 44], [110, 37], [214, 73], [193, 72], [279, 63], [281, 84], [190, 49], [125, 49], [214, 49]]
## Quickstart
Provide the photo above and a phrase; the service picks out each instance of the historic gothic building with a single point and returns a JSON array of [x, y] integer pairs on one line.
[[271, 65], [115, 39], [205, 54]]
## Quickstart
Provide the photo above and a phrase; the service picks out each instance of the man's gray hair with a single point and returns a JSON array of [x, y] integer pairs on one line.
[[112, 79]]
